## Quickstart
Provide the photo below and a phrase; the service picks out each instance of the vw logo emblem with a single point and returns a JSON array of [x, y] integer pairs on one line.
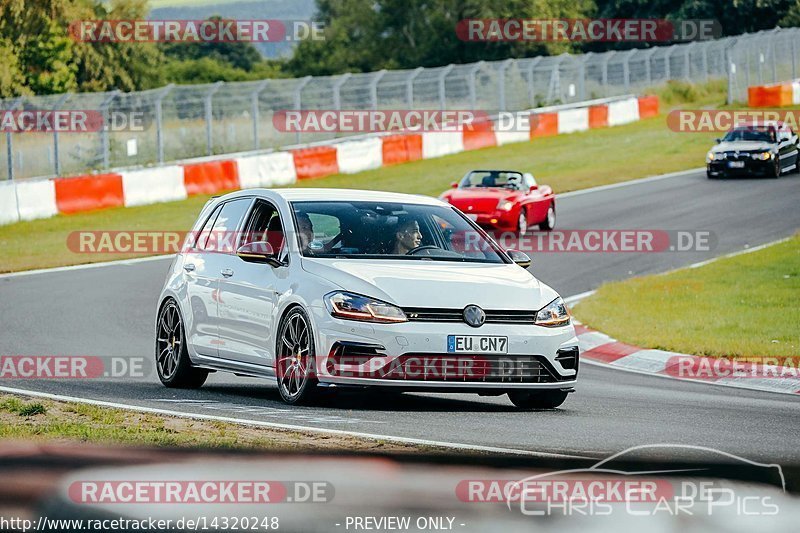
[[474, 316]]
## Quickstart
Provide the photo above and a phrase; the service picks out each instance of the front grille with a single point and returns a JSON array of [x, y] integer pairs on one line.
[[428, 314], [445, 367]]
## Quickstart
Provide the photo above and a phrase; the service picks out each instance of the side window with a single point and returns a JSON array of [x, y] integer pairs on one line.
[[222, 237], [264, 225], [202, 235]]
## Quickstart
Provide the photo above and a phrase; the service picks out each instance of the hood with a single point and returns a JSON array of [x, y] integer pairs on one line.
[[440, 284], [743, 146], [481, 199]]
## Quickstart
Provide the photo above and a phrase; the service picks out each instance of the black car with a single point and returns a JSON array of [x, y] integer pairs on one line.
[[766, 150]]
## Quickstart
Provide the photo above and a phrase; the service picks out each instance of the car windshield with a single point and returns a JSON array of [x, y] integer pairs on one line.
[[751, 134], [494, 178], [382, 230]]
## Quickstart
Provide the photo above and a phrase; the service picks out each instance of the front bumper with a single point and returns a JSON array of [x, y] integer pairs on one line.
[[413, 356], [502, 220], [752, 167]]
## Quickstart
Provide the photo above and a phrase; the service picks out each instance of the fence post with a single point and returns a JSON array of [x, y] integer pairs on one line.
[[667, 65], [501, 85], [56, 162], [337, 86], [626, 69], [687, 64], [255, 111], [373, 89], [794, 60], [209, 117], [471, 84], [442, 96], [160, 121], [582, 76], [410, 86], [648, 73], [104, 131], [298, 101], [531, 90], [774, 61], [9, 147], [608, 55], [731, 68]]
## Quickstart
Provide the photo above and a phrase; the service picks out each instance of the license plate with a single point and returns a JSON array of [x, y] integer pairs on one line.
[[476, 344], [736, 164], [472, 217]]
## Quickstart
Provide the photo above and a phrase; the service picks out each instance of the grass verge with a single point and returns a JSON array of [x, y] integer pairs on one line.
[[51, 421], [736, 307], [566, 162]]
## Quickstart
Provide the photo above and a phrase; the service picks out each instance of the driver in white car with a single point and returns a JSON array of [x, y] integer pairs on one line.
[[407, 236]]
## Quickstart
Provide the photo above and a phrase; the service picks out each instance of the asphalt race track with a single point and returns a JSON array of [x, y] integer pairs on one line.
[[110, 311]]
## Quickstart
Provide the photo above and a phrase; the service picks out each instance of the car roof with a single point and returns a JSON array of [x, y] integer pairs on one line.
[[333, 195]]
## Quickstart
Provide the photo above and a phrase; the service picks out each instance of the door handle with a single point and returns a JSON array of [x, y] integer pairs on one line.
[[188, 267], [227, 272]]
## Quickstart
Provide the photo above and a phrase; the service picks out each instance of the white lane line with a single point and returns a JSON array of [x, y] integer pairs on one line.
[[275, 425], [638, 181], [118, 262], [599, 188]]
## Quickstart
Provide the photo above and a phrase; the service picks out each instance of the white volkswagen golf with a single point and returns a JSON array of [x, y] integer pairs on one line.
[[326, 288]]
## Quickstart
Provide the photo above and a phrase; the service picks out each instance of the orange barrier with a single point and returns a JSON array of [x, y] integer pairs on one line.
[[315, 162], [211, 177], [770, 95], [544, 124], [479, 135], [648, 107], [87, 193], [401, 149], [598, 116]]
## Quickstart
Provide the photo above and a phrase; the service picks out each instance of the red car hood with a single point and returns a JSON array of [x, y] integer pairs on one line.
[[480, 199]]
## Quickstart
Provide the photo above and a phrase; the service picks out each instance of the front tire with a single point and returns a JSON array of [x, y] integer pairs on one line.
[[536, 400], [522, 223], [173, 365], [295, 363], [550, 219]]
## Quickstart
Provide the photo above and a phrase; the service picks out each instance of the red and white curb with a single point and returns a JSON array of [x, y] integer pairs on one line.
[[603, 350]]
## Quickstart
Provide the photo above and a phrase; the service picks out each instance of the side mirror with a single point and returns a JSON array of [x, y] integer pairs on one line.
[[533, 188], [718, 140], [520, 258], [454, 185], [258, 252]]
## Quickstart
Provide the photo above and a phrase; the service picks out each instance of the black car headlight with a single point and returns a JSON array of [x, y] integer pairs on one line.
[[351, 306], [553, 315]]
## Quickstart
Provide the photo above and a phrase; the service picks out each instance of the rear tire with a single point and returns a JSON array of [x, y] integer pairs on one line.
[[535, 400], [173, 365], [550, 219], [295, 364]]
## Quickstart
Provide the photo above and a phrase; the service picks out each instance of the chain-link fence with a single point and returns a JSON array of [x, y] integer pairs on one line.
[[180, 122]]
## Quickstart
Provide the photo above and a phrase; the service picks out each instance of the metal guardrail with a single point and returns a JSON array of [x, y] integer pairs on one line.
[[199, 120]]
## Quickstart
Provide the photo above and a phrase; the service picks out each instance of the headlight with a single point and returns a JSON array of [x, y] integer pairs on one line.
[[553, 315], [763, 156], [356, 307], [505, 205], [715, 156]]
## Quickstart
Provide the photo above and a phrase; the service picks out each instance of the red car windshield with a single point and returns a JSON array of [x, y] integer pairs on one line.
[[504, 180]]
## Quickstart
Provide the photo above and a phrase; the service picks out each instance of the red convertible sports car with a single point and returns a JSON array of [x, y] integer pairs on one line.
[[504, 200]]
